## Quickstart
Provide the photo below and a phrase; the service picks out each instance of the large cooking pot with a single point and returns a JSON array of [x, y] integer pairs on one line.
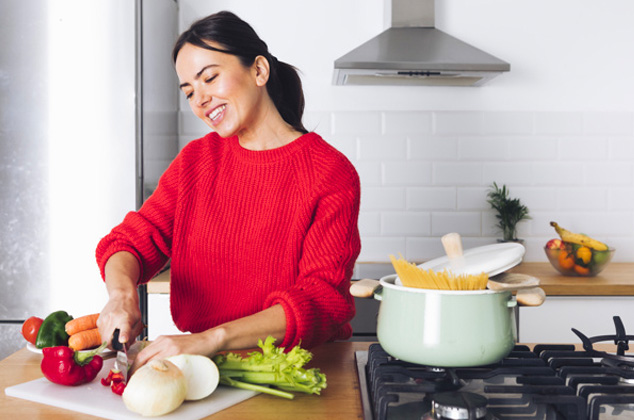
[[442, 327]]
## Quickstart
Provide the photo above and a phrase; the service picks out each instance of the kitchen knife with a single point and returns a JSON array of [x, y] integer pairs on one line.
[[121, 362]]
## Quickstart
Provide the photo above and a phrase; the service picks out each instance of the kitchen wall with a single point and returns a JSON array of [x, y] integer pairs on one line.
[[558, 130]]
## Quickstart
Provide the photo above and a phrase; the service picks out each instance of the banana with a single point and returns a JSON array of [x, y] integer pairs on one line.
[[578, 238]]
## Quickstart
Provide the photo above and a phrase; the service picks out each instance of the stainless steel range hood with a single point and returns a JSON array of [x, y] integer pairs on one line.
[[413, 52]]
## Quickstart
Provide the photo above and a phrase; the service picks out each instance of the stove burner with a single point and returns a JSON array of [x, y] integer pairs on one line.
[[620, 339], [459, 406]]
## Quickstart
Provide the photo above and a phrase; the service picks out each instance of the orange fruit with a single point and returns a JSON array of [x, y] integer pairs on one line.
[[566, 260], [584, 271]]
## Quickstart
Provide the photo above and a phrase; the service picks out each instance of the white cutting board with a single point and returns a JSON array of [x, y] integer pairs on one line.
[[98, 400]]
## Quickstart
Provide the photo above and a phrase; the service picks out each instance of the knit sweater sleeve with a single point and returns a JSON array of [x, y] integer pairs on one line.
[[146, 233], [319, 306]]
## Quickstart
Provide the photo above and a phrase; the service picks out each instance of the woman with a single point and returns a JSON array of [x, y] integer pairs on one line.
[[259, 217]]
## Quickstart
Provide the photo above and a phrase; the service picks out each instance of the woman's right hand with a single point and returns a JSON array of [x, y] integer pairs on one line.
[[122, 309]]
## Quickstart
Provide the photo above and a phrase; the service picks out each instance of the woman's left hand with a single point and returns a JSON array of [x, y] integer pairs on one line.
[[206, 343]]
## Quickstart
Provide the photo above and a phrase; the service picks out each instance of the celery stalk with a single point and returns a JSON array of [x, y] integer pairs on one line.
[[271, 367]]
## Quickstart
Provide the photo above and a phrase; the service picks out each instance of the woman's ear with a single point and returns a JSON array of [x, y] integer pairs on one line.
[[262, 70]]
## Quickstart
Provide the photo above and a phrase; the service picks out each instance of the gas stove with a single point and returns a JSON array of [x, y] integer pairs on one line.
[[549, 381]]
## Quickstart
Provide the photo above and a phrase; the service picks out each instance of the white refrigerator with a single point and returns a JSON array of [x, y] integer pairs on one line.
[[88, 120]]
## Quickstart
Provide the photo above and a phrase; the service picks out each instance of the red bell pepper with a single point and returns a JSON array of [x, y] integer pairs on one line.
[[115, 381], [65, 366]]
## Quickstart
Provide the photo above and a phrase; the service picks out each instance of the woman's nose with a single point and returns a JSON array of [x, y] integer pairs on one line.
[[201, 99]]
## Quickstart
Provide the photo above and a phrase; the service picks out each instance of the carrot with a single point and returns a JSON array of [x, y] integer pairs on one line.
[[83, 323], [86, 339]]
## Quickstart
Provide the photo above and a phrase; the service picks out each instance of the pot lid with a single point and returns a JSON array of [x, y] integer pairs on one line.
[[490, 259]]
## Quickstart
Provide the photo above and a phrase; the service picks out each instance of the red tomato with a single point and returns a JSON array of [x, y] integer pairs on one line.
[[30, 328]]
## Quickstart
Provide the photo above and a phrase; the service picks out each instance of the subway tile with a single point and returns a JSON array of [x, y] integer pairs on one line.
[[472, 198], [457, 174], [431, 198], [463, 123], [369, 223], [422, 249], [519, 173], [382, 198], [621, 199], [536, 198], [383, 148], [433, 148], [356, 123], [379, 248], [608, 123], [557, 174], [370, 173], [608, 173], [582, 148], [601, 224], [410, 223], [407, 122], [621, 148], [585, 198], [508, 123], [482, 149], [560, 123], [465, 223], [346, 144], [532, 148], [407, 173]]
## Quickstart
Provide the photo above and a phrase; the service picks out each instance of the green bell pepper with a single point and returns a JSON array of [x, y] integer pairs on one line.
[[52, 332]]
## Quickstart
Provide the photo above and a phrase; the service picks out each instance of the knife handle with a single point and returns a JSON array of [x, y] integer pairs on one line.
[[116, 344]]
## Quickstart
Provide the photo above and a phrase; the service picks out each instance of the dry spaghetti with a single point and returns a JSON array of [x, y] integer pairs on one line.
[[414, 276]]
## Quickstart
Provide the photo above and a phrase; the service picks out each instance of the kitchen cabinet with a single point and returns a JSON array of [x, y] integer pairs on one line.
[[587, 304]]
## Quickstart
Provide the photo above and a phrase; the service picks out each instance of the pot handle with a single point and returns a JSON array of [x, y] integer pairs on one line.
[[534, 296], [512, 302], [366, 288]]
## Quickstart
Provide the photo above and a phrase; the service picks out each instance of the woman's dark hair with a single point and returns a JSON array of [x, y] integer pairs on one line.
[[238, 38]]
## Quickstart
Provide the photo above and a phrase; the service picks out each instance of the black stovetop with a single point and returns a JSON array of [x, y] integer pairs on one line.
[[548, 382]]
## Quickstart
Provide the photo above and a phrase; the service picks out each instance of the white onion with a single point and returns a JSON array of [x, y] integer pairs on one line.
[[201, 374], [157, 388]]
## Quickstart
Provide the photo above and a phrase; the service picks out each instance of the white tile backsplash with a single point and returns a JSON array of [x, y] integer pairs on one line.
[[425, 173]]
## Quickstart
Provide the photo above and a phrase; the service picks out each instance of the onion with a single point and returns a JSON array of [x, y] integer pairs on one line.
[[201, 374], [157, 388]]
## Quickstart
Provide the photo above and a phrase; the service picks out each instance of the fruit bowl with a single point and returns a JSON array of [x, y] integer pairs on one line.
[[578, 260]]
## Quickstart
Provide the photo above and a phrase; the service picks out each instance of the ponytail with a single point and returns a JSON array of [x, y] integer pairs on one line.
[[238, 38], [285, 89]]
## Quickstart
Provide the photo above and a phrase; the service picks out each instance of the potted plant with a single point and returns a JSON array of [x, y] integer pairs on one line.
[[509, 212]]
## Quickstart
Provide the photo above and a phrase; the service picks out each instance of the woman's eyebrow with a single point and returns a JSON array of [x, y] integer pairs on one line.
[[198, 74]]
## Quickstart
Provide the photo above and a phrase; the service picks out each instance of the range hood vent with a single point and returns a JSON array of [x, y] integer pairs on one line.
[[413, 52]]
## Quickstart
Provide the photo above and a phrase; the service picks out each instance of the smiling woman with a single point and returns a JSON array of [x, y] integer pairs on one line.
[[259, 217]]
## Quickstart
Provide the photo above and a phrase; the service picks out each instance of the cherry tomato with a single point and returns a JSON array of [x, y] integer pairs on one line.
[[30, 328]]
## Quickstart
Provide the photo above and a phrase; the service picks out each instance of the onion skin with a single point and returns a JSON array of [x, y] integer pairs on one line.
[[201, 374], [157, 388]]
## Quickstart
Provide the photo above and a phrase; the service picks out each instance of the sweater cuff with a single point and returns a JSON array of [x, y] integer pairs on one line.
[[290, 336], [113, 249]]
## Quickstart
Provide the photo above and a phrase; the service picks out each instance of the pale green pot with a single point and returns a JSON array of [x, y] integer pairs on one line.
[[445, 328]]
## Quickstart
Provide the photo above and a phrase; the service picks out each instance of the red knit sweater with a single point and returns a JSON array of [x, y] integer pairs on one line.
[[246, 230]]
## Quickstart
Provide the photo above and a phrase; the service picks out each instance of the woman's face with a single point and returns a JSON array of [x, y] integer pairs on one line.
[[221, 91]]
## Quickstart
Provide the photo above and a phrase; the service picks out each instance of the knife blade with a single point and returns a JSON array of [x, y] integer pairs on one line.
[[121, 362]]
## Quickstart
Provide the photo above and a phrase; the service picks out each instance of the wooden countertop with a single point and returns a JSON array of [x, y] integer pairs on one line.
[[616, 280], [341, 399]]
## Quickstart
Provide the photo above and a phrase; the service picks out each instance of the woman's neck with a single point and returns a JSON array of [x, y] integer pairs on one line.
[[268, 131]]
